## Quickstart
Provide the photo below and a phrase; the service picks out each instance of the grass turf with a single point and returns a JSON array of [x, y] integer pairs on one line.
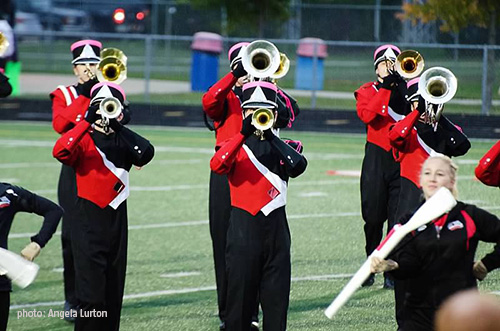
[[170, 266]]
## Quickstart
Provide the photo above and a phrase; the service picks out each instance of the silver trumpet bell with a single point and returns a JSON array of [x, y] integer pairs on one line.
[[437, 86], [110, 108], [260, 58], [263, 119]]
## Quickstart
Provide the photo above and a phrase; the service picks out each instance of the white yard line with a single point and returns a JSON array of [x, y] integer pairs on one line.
[[179, 291]]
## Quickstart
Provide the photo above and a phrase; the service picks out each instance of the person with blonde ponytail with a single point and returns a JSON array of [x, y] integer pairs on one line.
[[437, 260]]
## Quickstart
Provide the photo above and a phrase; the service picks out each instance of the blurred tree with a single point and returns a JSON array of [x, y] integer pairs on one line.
[[455, 15], [254, 15]]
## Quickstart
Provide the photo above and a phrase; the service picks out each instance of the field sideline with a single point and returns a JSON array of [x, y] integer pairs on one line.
[[170, 277]]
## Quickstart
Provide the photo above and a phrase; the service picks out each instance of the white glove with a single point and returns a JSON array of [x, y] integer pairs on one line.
[[479, 270], [378, 265], [31, 251]]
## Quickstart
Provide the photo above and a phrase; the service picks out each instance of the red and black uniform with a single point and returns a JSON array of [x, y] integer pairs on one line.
[[68, 109], [258, 238], [223, 106], [379, 108], [488, 169], [14, 199], [99, 237], [437, 259], [413, 142]]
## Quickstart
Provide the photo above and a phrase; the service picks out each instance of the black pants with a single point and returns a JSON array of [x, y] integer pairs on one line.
[[4, 309], [67, 196], [380, 182], [219, 205], [258, 262], [410, 197], [99, 242]]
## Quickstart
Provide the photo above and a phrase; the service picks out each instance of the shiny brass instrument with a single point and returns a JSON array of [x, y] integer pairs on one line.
[[283, 67], [263, 119], [4, 44], [409, 64], [110, 108], [437, 86], [260, 58], [113, 66]]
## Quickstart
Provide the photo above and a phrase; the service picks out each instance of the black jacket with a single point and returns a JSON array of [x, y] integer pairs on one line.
[[14, 199]]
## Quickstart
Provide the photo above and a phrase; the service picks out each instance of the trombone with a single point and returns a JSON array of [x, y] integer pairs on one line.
[[282, 68], [409, 64], [113, 66], [437, 86]]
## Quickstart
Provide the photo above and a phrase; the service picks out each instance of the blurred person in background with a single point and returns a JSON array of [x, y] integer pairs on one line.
[[101, 151], [379, 105], [488, 168], [69, 104], [437, 260], [15, 199]]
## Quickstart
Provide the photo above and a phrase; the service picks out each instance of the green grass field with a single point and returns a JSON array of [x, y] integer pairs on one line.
[[170, 277]]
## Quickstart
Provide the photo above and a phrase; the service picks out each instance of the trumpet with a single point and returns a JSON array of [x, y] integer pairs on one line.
[[4, 44], [283, 67], [113, 66], [437, 86], [110, 108], [263, 119], [409, 64], [260, 58]]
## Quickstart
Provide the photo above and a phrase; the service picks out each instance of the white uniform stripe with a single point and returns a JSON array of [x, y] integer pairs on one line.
[[65, 92], [123, 175]]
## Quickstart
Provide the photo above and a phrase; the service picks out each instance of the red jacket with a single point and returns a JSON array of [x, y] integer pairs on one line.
[[253, 187], [488, 169], [227, 122], [372, 106], [97, 179], [68, 108], [409, 148]]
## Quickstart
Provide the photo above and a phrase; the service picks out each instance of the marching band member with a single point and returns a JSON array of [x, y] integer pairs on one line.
[[101, 155], [14, 199], [222, 104], [380, 104], [414, 140], [488, 169], [437, 260], [258, 238], [69, 104]]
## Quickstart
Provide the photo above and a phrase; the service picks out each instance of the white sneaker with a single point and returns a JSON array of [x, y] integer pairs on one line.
[[254, 326]]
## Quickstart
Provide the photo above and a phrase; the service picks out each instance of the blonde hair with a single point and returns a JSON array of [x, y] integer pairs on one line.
[[452, 167]]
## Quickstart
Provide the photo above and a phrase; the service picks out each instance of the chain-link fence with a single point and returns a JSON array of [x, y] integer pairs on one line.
[[347, 66]]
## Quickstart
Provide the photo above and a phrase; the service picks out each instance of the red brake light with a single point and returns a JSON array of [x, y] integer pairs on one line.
[[140, 16], [119, 15]]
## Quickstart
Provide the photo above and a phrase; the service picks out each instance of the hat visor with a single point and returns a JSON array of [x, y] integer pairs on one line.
[[86, 61], [256, 104]]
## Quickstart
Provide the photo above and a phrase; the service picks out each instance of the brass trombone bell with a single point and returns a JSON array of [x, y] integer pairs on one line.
[[4, 44], [283, 67], [409, 64], [113, 66], [263, 119], [260, 58]]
